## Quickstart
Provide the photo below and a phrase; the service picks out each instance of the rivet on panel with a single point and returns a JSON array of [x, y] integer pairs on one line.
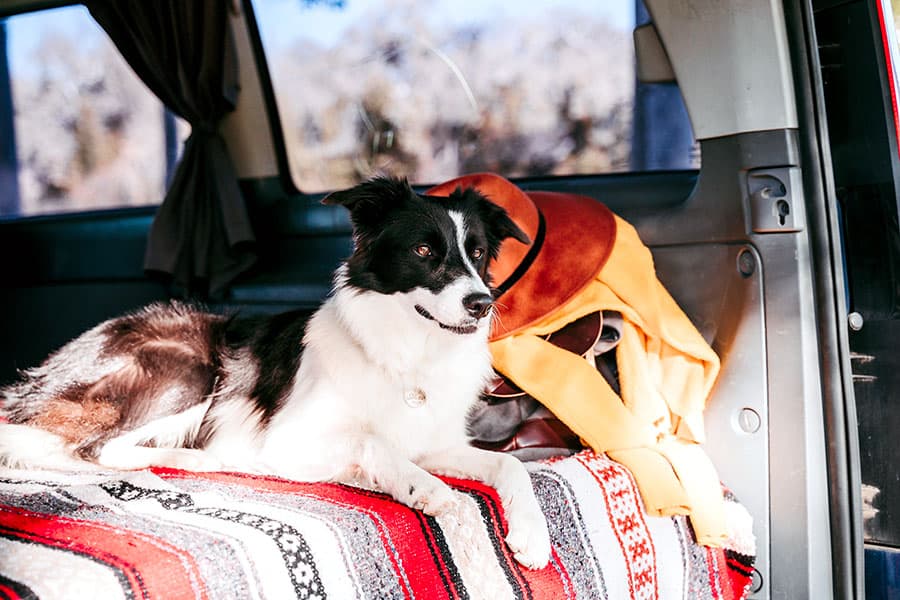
[[748, 420], [746, 263]]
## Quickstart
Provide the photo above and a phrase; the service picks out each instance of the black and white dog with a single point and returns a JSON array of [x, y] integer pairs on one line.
[[373, 390]]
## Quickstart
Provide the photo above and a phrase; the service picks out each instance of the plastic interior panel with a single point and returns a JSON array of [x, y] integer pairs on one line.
[[37, 320], [800, 540], [783, 370], [724, 300], [708, 42], [651, 62]]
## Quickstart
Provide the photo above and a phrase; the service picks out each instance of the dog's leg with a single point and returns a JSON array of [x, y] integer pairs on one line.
[[389, 471], [528, 536], [128, 457], [168, 436], [364, 459]]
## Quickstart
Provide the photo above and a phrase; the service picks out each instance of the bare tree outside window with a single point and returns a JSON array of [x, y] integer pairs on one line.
[[427, 89], [430, 90], [89, 134]]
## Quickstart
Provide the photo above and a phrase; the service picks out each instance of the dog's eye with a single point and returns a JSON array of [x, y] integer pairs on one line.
[[423, 250], [477, 253]]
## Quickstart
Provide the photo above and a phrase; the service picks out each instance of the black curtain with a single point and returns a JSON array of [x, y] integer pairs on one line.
[[184, 51], [9, 170]]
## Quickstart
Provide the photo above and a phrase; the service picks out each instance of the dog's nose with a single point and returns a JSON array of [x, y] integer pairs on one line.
[[478, 305]]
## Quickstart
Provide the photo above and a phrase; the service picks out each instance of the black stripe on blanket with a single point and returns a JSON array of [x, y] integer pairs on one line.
[[295, 552], [741, 563], [125, 491], [19, 590], [446, 566], [490, 513]]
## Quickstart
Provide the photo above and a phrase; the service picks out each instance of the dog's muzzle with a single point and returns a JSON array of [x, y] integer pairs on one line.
[[460, 329]]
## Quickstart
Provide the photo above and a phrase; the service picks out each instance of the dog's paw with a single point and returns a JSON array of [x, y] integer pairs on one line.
[[432, 496], [192, 460], [529, 538]]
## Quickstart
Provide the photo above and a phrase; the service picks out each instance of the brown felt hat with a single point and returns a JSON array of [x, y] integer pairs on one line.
[[571, 238]]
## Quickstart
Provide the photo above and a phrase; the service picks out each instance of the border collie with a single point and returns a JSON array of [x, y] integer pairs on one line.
[[373, 390]]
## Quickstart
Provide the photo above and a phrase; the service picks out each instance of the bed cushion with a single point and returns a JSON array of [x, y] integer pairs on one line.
[[166, 533]]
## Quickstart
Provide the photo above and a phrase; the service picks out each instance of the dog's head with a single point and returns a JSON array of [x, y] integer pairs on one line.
[[434, 251]]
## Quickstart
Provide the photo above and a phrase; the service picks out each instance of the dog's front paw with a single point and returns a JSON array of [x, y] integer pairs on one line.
[[430, 495], [529, 538]]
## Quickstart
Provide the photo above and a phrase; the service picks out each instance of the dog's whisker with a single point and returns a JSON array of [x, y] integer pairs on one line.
[[498, 319]]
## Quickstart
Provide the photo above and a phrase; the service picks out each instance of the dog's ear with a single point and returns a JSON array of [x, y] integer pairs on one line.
[[499, 225], [368, 202]]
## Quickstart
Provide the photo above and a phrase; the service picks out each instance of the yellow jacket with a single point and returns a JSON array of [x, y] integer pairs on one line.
[[666, 372]]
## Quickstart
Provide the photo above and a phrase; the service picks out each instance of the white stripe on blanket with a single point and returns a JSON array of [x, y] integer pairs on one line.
[[56, 573], [473, 551]]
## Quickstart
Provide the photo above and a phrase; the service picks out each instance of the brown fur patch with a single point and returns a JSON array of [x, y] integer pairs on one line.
[[177, 331], [170, 365], [75, 420]]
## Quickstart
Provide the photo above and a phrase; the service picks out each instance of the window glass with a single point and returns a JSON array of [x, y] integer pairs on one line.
[[432, 89], [87, 133]]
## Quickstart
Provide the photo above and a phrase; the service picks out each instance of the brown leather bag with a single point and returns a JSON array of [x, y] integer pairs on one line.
[[509, 420]]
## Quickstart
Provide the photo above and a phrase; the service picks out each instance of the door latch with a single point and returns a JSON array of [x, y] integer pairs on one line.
[[774, 200]]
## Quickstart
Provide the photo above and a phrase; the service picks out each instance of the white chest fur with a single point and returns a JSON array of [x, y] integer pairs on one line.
[[365, 354]]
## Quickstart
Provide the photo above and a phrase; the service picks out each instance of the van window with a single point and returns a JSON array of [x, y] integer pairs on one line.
[[431, 90], [87, 134]]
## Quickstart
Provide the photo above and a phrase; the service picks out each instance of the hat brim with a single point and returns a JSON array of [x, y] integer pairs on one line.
[[534, 280]]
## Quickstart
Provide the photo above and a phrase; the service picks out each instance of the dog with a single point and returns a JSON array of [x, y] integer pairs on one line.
[[373, 389]]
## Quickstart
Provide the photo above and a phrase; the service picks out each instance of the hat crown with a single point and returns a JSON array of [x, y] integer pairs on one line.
[[571, 238]]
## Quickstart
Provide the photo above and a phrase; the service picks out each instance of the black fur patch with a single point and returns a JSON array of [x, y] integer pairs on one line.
[[276, 343], [391, 221]]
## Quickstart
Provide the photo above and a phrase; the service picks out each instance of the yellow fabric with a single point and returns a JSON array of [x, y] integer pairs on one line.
[[666, 373]]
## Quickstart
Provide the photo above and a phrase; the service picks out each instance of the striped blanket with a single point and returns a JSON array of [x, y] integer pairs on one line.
[[172, 534]]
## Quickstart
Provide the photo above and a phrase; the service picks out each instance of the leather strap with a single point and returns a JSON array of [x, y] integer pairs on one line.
[[526, 262]]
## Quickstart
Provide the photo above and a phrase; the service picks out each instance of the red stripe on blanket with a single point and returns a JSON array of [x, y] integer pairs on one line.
[[154, 568], [7, 593], [626, 517], [550, 582], [727, 575], [437, 547], [408, 536], [716, 571]]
